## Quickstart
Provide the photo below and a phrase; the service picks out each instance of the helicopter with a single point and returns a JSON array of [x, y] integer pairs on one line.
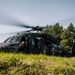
[[31, 41]]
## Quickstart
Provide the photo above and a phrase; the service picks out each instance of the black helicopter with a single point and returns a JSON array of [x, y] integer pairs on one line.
[[30, 41]]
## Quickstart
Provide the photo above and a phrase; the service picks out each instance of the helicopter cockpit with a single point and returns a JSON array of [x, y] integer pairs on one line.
[[13, 39]]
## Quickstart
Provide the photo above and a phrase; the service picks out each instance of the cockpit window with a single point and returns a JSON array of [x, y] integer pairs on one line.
[[8, 39], [16, 39], [13, 39]]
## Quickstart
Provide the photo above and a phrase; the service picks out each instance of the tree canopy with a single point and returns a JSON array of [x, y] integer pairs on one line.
[[65, 34]]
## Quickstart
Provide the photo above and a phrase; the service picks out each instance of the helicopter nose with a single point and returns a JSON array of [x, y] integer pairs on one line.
[[3, 49]]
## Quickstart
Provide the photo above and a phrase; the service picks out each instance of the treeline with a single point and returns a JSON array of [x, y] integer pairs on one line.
[[65, 34]]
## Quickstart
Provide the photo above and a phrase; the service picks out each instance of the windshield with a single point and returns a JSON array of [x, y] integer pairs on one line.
[[13, 39], [8, 39], [16, 39]]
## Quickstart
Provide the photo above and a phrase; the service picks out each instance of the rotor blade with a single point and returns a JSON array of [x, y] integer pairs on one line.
[[8, 20], [15, 33]]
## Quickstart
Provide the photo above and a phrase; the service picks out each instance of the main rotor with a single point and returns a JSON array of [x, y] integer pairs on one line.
[[8, 20]]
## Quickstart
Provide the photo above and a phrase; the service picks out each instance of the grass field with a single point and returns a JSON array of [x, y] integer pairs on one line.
[[25, 64]]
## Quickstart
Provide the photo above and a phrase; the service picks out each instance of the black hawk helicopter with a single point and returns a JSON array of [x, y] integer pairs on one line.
[[28, 41], [31, 41]]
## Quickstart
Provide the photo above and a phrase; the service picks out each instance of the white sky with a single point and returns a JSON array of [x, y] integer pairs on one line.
[[35, 12]]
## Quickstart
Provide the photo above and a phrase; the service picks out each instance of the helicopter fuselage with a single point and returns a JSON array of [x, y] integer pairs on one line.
[[30, 43]]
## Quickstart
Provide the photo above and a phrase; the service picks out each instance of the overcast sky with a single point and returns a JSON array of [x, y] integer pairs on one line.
[[36, 12]]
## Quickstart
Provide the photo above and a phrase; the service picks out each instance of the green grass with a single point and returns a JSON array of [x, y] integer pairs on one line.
[[25, 64]]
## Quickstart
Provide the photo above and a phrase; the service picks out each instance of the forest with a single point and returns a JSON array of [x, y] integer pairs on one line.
[[65, 34]]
